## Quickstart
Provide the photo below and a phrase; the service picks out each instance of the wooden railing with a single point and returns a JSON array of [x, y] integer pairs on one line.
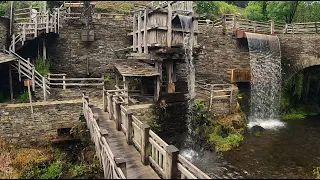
[[215, 91], [164, 158], [61, 80], [240, 75], [111, 166], [231, 22]]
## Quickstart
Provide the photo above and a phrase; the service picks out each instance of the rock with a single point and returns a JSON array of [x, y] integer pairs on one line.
[[257, 128]]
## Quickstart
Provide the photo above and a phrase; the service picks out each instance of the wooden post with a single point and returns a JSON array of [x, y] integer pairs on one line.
[[36, 26], [121, 163], [10, 82], [58, 19], [134, 40], [126, 89], [231, 98], [55, 22], [19, 69], [129, 127], [110, 109], [44, 50], [286, 29], [139, 33], [211, 97], [157, 82], [118, 116], [44, 88], [117, 79], [271, 26], [23, 33], [316, 26], [105, 105], [234, 23], [13, 42], [169, 25], [145, 145], [30, 99], [224, 26], [47, 23], [33, 79], [145, 32], [11, 18], [64, 82], [172, 162]]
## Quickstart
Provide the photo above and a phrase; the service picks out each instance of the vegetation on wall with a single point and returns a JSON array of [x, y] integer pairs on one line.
[[64, 161], [42, 66], [220, 133]]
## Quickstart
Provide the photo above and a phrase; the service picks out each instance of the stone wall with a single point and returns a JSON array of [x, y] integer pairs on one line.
[[72, 56], [4, 29], [298, 51], [220, 53], [18, 127]]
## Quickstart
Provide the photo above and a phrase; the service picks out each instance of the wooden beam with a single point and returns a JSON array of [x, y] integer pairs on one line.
[[139, 33], [134, 40], [169, 25], [145, 47]]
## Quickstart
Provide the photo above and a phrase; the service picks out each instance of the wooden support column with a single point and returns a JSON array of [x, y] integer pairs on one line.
[[139, 33], [36, 26], [13, 42], [44, 50], [125, 86], [104, 99], [10, 82], [110, 108], [118, 116], [145, 144], [170, 85], [169, 25], [44, 88], [129, 127], [33, 79], [134, 40], [158, 68], [117, 79], [172, 162], [145, 40]]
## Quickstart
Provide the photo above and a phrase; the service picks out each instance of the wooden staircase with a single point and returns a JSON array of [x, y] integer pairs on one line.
[[29, 25]]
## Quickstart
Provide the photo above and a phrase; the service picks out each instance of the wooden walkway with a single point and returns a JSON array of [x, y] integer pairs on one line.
[[6, 58], [120, 148]]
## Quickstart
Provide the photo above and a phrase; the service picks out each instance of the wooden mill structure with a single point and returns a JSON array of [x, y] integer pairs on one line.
[[158, 35]]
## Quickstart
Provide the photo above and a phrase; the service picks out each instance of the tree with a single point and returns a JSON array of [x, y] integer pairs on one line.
[[282, 10]]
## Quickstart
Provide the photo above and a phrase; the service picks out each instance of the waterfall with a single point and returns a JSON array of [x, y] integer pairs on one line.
[[186, 25], [265, 64]]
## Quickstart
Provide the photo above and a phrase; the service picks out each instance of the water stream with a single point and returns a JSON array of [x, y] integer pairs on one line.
[[265, 64], [189, 142]]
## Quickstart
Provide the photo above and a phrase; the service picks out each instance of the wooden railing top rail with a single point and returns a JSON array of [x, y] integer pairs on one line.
[[195, 172]]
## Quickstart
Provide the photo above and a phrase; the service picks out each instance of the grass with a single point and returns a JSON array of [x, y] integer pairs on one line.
[[121, 7], [23, 97], [42, 66], [293, 116]]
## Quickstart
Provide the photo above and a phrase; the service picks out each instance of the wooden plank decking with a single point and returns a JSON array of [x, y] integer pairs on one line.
[[120, 148], [6, 58]]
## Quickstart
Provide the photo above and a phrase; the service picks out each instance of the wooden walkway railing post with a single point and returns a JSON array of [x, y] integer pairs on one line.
[[118, 115], [224, 25], [109, 102], [121, 163], [271, 27], [129, 127], [172, 162], [145, 145]]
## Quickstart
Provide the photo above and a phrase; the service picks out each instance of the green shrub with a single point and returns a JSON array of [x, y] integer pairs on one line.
[[293, 115], [54, 171], [78, 170], [227, 143], [23, 97], [42, 66]]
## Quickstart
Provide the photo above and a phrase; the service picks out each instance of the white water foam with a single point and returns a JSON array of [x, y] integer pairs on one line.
[[190, 154], [266, 123]]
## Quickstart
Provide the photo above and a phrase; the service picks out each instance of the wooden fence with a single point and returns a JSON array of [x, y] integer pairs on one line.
[[61, 80], [231, 22], [215, 91], [164, 158], [111, 167]]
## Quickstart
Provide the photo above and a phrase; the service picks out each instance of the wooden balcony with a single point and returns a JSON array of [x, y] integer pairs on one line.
[[240, 75]]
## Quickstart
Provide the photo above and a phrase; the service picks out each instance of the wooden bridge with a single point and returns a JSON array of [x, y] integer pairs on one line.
[[128, 148]]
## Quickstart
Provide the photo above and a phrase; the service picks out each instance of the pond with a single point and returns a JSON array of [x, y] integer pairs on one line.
[[289, 152]]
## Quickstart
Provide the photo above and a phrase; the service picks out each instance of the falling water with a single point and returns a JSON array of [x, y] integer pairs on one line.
[[265, 63], [186, 24]]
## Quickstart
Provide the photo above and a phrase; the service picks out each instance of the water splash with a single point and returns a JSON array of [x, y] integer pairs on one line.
[[265, 63]]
